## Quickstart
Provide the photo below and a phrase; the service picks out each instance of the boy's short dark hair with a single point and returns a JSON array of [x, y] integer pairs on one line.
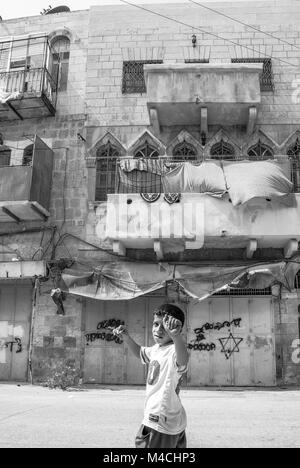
[[172, 310]]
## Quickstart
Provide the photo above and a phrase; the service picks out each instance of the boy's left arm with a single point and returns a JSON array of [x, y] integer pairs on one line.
[[173, 328]]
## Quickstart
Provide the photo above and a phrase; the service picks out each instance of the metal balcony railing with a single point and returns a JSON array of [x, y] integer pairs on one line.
[[147, 178], [31, 82]]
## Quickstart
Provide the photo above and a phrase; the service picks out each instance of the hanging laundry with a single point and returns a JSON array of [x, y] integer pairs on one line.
[[155, 166], [7, 96], [207, 178], [260, 179]]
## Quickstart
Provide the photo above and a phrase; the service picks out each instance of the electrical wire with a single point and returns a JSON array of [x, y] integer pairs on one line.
[[244, 24], [209, 33]]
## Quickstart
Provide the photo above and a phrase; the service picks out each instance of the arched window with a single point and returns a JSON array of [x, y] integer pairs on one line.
[[184, 152], [27, 156], [60, 61], [106, 159], [146, 151], [260, 152], [222, 150], [5, 154], [294, 153]]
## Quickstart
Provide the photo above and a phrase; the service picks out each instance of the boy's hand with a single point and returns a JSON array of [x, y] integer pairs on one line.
[[120, 330], [172, 326]]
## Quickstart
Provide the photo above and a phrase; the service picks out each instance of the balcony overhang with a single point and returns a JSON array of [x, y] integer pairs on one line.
[[29, 106], [25, 190], [17, 211], [206, 94], [199, 221]]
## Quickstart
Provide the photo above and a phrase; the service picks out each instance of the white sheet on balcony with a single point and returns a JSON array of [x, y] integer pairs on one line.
[[206, 178], [247, 180], [7, 96], [122, 280]]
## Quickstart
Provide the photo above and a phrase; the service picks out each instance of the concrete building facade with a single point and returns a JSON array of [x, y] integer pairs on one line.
[[96, 86]]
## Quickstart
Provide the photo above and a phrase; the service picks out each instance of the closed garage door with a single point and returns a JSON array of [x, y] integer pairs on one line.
[[106, 361], [231, 341], [15, 316]]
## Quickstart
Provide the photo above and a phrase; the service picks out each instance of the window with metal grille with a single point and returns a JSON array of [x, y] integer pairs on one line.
[[294, 153], [260, 152], [106, 162], [184, 151], [146, 151], [196, 61], [27, 156], [133, 80], [222, 150], [60, 61], [5, 156], [297, 280], [244, 292], [266, 77], [146, 181]]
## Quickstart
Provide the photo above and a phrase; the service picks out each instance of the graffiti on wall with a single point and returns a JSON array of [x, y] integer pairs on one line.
[[217, 326], [16, 343], [229, 345], [110, 324], [296, 353]]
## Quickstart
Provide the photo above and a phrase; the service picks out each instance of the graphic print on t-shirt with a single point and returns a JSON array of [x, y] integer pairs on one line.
[[153, 373]]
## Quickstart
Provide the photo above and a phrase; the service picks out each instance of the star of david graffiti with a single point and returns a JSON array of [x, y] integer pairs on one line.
[[230, 345]]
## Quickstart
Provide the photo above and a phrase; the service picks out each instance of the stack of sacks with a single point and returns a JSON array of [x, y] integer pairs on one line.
[[247, 180], [206, 178]]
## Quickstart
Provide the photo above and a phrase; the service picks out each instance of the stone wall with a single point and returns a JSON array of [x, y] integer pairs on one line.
[[93, 105]]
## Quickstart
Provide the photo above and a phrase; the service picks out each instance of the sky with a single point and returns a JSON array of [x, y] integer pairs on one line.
[[19, 8]]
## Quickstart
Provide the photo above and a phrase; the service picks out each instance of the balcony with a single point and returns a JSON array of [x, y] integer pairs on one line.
[[203, 94], [139, 215], [28, 82], [25, 190]]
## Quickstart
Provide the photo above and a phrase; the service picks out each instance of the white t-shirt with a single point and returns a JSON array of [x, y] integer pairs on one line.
[[163, 409]]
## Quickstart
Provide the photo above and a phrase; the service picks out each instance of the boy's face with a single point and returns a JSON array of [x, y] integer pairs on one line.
[[159, 333]]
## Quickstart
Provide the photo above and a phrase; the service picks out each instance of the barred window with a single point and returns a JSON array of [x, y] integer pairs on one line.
[[196, 61], [133, 76], [294, 153], [222, 150], [106, 160], [266, 77], [184, 152], [27, 155], [260, 152], [5, 154], [146, 151]]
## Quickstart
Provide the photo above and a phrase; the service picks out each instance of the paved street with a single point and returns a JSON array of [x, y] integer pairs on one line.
[[33, 416]]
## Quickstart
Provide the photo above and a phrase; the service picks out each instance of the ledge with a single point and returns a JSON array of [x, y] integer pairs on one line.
[[176, 93]]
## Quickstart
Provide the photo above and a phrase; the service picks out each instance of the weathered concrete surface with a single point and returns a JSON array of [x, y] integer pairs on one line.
[[110, 416]]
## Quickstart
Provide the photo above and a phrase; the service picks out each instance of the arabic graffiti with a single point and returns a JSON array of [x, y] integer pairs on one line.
[[202, 346], [90, 337], [217, 326], [10, 344], [229, 344], [110, 324]]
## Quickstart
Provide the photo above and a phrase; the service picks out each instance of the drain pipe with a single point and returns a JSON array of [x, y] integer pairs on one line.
[[34, 296]]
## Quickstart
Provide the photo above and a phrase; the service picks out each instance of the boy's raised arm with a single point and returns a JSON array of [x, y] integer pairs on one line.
[[122, 331], [173, 328]]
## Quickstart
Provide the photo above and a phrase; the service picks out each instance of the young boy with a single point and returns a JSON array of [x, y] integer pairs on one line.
[[164, 420]]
